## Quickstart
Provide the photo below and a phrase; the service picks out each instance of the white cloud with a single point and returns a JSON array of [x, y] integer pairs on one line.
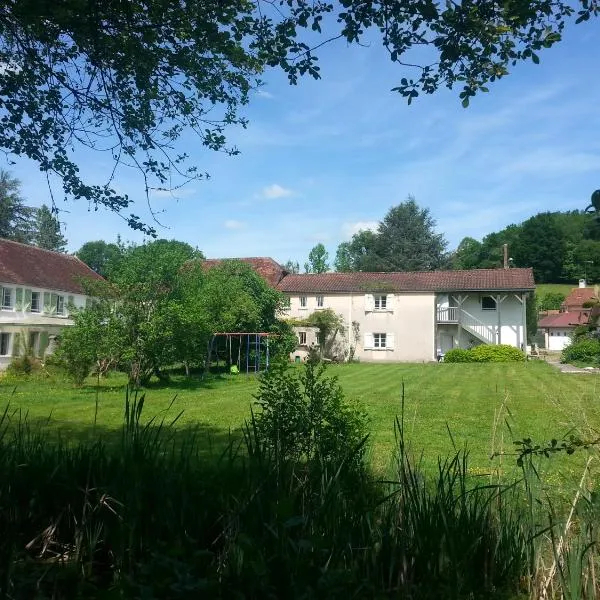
[[233, 224], [350, 229], [274, 191], [265, 94]]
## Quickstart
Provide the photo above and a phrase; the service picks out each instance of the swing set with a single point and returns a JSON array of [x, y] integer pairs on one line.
[[252, 351]]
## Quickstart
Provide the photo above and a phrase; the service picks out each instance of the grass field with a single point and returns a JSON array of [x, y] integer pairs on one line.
[[472, 401], [561, 288]]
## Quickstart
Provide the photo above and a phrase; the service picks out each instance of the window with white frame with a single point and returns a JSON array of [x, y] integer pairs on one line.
[[302, 301], [488, 303], [7, 301], [302, 338], [320, 301], [60, 305], [379, 340], [4, 344], [380, 301], [36, 301]]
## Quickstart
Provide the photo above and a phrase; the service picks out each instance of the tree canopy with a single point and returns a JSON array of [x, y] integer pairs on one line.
[[559, 246], [161, 307], [405, 240], [128, 78], [47, 232], [317, 260], [16, 219], [100, 256]]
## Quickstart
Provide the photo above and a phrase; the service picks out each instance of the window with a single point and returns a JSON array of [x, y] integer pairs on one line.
[[60, 305], [7, 298], [488, 303], [380, 302], [4, 343], [302, 338], [35, 301], [379, 340], [302, 301], [286, 302], [320, 300]]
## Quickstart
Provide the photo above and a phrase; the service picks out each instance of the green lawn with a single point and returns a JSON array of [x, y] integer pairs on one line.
[[467, 399], [561, 288]]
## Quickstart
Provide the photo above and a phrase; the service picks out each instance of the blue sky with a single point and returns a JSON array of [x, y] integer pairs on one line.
[[323, 159]]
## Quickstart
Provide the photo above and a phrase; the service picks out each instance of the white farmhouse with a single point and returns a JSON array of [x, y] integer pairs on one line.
[[416, 316], [38, 289], [408, 316]]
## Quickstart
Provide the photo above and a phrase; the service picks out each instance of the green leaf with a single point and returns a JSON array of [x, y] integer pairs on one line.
[[465, 102]]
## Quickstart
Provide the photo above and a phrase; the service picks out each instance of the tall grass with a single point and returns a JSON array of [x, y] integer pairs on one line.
[[147, 516]]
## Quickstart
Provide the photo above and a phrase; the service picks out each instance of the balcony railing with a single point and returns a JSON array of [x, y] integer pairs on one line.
[[447, 314]]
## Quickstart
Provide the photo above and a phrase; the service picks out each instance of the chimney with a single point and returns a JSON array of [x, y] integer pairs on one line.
[[505, 255], [582, 283]]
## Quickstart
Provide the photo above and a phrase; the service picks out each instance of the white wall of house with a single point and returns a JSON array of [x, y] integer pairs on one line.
[[399, 328], [558, 339], [37, 313]]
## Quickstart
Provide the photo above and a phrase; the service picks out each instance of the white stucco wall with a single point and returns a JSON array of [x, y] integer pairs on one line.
[[558, 339], [408, 322]]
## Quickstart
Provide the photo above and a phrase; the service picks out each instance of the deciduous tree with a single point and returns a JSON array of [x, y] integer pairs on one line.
[[317, 260], [100, 256], [131, 77], [541, 245], [292, 266]]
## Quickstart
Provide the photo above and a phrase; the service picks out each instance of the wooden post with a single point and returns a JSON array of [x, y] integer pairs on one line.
[[499, 300], [524, 308], [521, 331], [459, 301]]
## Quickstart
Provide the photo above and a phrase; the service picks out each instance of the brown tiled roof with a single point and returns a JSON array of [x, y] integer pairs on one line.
[[270, 270], [432, 281], [25, 265], [565, 319], [577, 297]]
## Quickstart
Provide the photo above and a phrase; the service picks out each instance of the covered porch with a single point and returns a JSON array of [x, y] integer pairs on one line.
[[469, 318]]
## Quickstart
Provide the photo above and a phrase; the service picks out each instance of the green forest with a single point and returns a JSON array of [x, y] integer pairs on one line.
[[561, 247]]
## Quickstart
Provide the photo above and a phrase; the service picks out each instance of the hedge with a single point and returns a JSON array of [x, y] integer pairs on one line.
[[583, 350], [485, 354]]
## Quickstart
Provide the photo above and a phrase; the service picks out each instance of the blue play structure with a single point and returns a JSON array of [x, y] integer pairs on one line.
[[249, 350]]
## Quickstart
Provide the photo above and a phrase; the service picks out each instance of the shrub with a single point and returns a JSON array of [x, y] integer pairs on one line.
[[22, 366], [484, 354], [458, 355], [551, 301], [499, 353], [583, 350], [304, 416]]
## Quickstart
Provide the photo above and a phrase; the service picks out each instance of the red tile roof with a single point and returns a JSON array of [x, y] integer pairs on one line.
[[577, 297], [432, 281], [25, 265], [565, 319], [271, 271]]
